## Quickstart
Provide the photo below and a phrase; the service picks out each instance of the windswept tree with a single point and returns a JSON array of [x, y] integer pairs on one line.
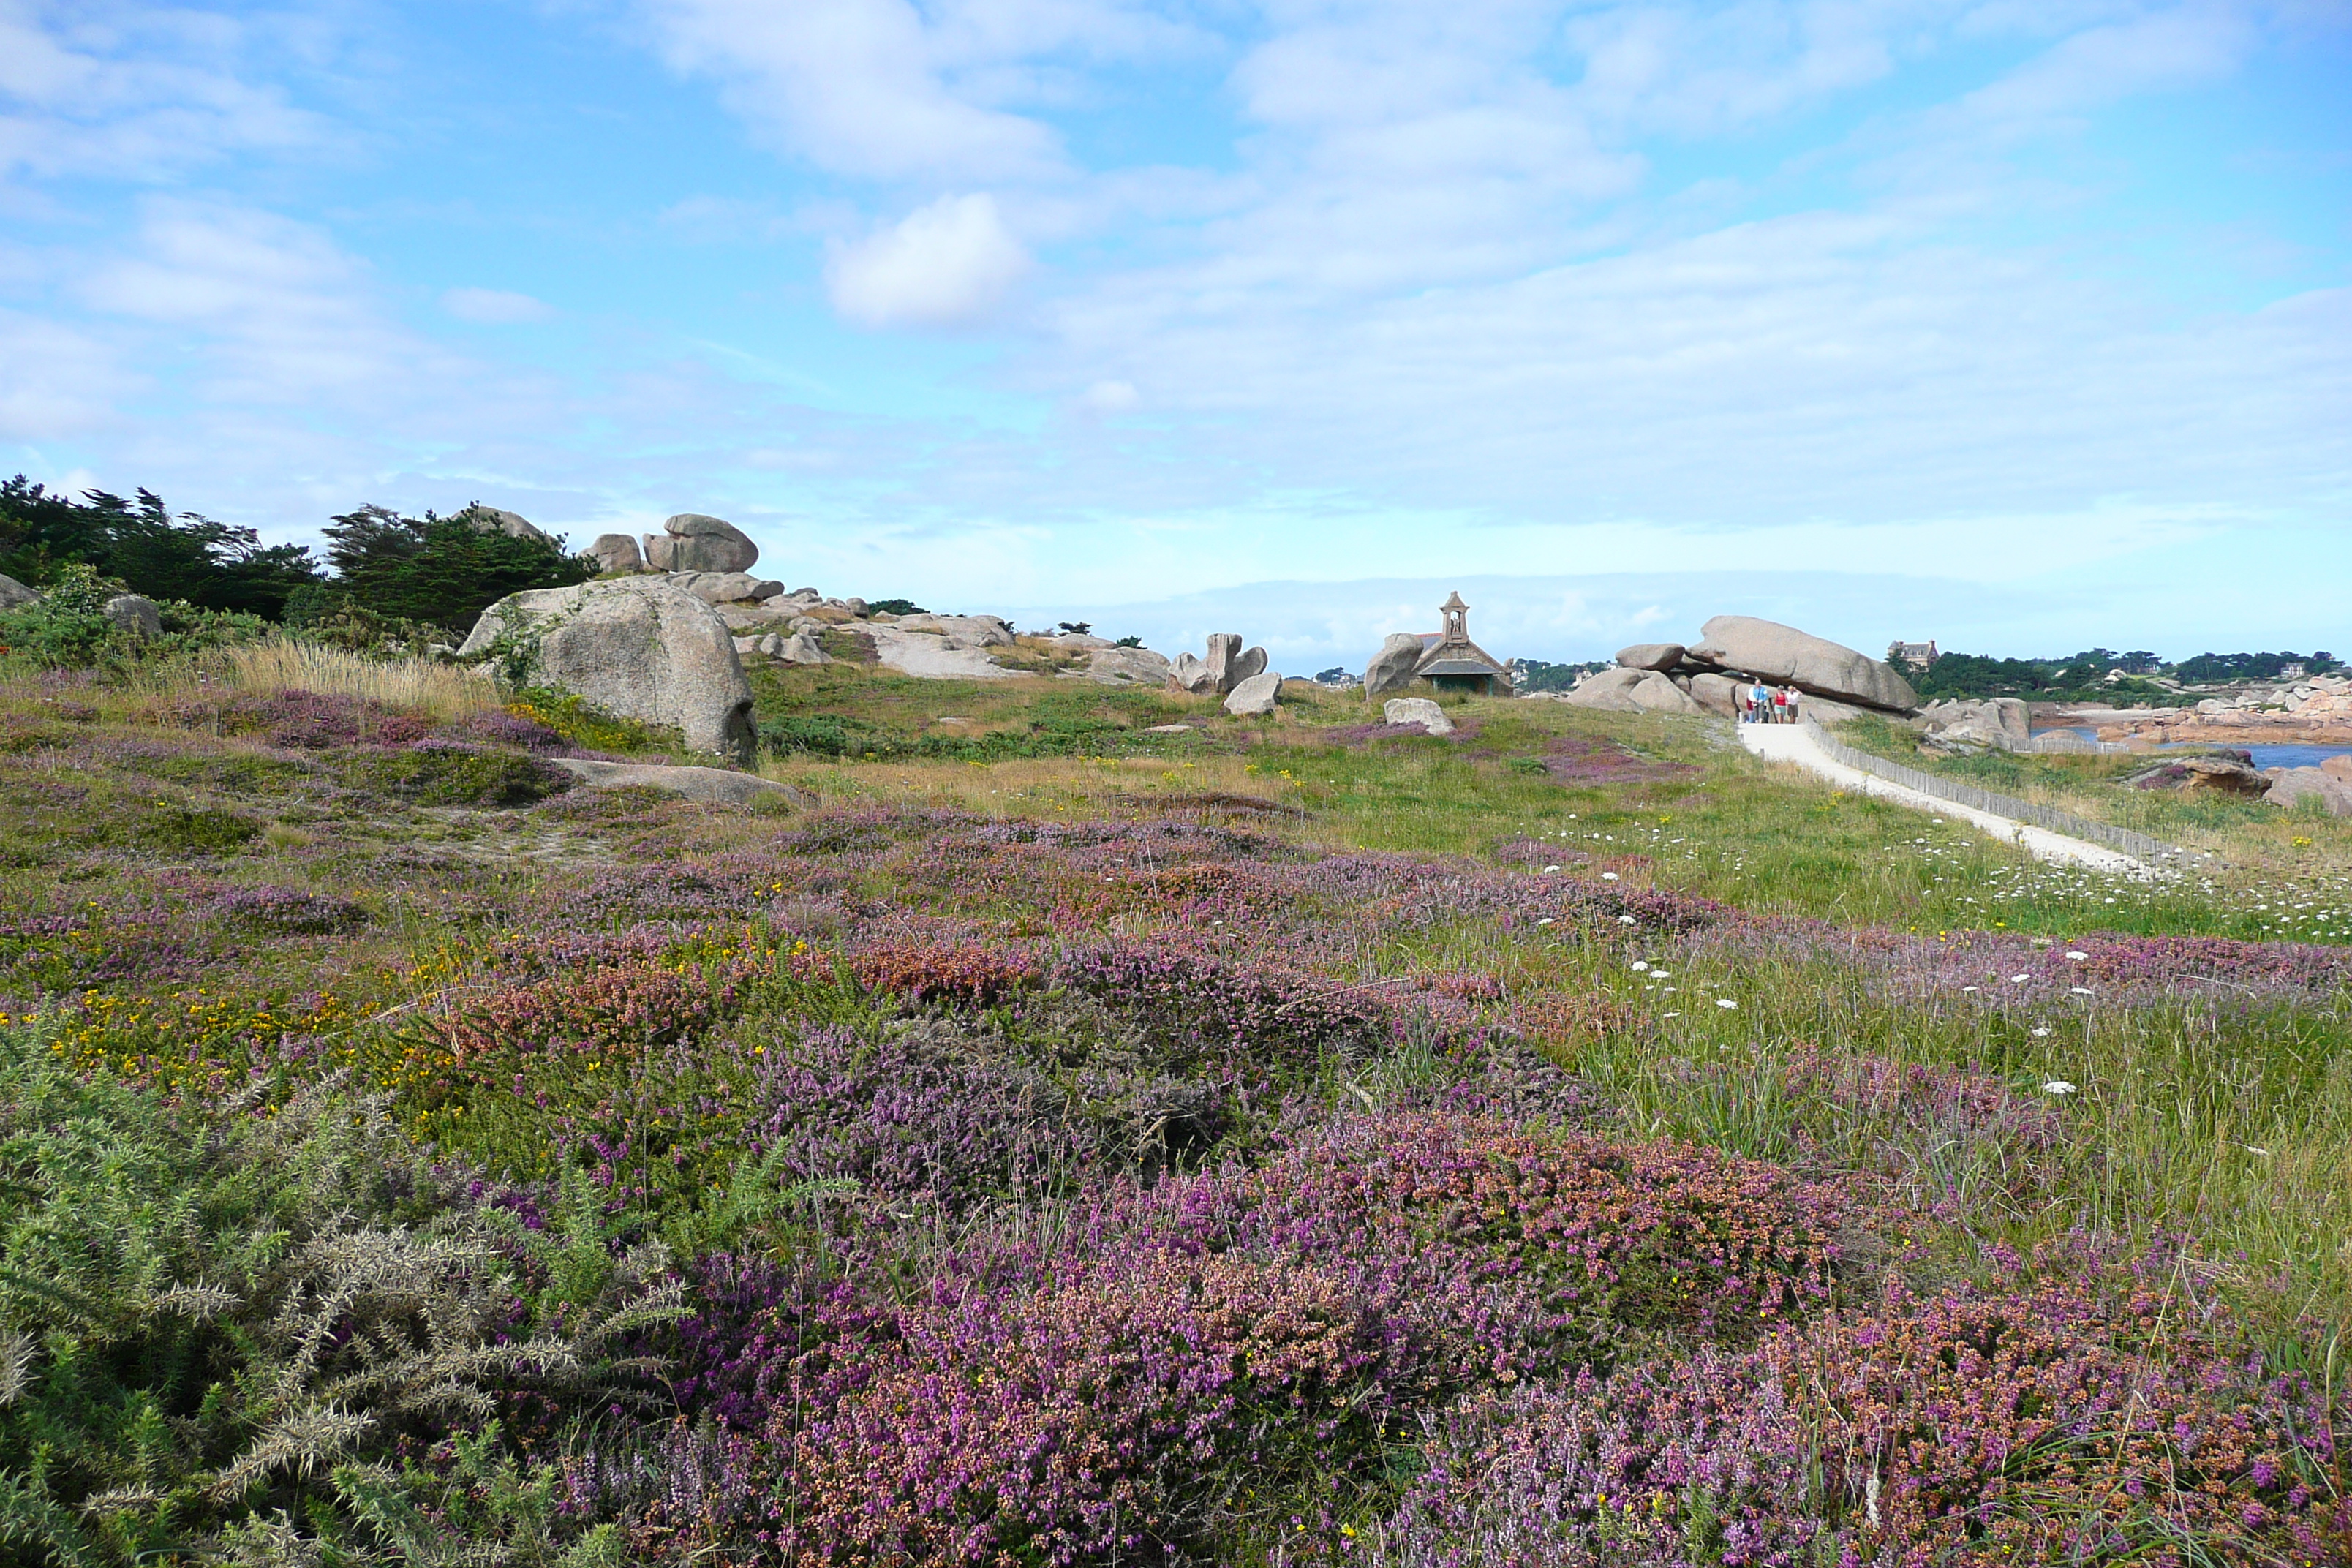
[[149, 548], [437, 570]]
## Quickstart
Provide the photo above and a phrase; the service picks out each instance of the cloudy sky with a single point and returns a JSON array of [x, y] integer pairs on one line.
[[2024, 324]]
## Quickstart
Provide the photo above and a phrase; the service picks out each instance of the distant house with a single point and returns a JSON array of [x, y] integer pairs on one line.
[[1917, 655], [2291, 672], [1455, 663]]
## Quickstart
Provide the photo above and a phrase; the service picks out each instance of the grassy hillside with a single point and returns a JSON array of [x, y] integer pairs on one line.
[[1074, 1141]]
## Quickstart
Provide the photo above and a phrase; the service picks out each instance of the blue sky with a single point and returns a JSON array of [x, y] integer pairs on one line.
[[2023, 326]]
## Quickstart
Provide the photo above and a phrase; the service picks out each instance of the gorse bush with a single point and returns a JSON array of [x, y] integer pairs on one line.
[[212, 1314], [68, 626]]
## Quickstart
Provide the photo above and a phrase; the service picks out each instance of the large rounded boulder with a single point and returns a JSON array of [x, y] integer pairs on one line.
[[1391, 668], [692, 542], [637, 647], [1785, 655]]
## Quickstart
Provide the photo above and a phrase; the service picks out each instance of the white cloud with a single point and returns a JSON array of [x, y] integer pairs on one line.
[[495, 307], [276, 313], [949, 264], [852, 85], [61, 380], [1110, 397], [118, 89]]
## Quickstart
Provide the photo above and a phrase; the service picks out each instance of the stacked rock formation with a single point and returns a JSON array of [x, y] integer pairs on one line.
[[1226, 668], [1735, 651]]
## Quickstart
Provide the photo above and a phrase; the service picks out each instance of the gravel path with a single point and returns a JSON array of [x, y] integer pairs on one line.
[[1794, 743]]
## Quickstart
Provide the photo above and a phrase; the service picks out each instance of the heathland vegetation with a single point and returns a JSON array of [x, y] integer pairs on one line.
[[1047, 1137]]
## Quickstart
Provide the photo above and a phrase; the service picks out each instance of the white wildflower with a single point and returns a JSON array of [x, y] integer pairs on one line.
[[1725, 1001], [2057, 1086], [1608, 876], [2041, 1033], [2074, 957], [1640, 965]]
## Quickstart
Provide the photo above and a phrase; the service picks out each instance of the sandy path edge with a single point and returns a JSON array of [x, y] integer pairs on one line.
[[1794, 744]]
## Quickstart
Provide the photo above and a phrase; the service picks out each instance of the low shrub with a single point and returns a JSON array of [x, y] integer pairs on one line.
[[442, 773], [1177, 1364], [2054, 1424], [183, 829], [290, 910], [211, 1312]]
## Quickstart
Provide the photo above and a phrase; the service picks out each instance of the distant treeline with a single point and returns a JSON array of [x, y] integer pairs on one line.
[[1537, 675], [435, 573], [2091, 674]]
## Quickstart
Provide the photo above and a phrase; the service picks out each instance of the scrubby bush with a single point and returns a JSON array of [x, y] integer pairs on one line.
[[227, 1316], [448, 773]]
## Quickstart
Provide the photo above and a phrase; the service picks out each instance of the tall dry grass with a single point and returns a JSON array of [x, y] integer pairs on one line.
[[444, 691]]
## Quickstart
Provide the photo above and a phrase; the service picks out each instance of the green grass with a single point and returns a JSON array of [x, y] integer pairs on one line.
[[2234, 1125]]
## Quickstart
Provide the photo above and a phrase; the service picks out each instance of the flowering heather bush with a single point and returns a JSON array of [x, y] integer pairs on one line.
[[288, 909], [1580, 759], [623, 1007], [1128, 1404], [300, 720], [1203, 1014], [1125, 1380], [2040, 1425], [962, 973], [1602, 1238], [934, 1119]]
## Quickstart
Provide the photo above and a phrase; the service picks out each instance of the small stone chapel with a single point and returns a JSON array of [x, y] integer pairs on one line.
[[1455, 663]]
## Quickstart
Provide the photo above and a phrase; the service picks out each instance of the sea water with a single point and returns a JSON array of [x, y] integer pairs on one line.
[[2280, 756]]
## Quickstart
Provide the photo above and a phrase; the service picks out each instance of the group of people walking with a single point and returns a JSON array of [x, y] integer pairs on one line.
[[1762, 704]]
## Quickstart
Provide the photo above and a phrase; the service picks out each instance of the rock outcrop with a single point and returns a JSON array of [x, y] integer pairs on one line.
[[135, 614], [1255, 696], [1783, 654], [1650, 655], [1116, 666], [1611, 691], [692, 542], [1419, 711], [1392, 667], [1716, 694], [2295, 785], [2003, 722], [721, 786], [14, 595], [2226, 774], [616, 554], [727, 587], [1190, 672], [961, 631], [513, 524], [1622, 691], [638, 648]]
